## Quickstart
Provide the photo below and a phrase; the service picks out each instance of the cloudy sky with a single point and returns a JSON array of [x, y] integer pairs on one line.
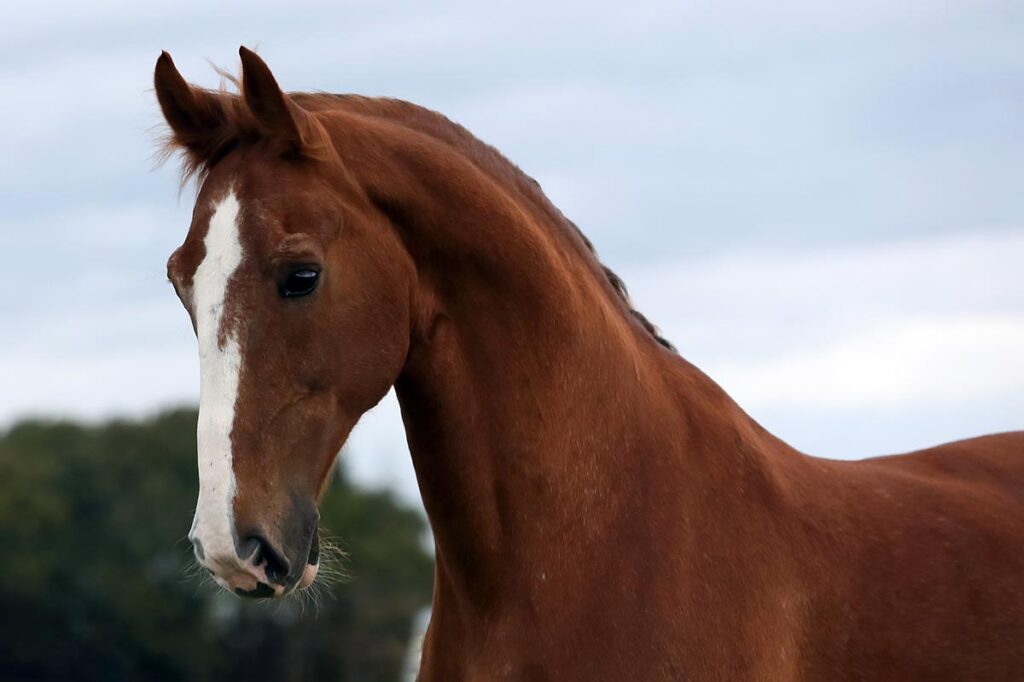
[[820, 203]]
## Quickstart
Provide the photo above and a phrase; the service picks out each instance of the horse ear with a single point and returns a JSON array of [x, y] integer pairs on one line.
[[196, 116], [277, 117]]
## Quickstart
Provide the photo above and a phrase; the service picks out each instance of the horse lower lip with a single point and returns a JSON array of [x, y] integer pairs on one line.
[[314, 549], [312, 562], [308, 575], [262, 591]]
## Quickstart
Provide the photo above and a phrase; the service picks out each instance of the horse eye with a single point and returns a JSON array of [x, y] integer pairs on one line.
[[300, 282]]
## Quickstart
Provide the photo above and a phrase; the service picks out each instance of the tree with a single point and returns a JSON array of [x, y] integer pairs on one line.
[[96, 579]]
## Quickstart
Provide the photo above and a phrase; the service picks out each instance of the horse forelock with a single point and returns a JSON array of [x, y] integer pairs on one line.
[[237, 125]]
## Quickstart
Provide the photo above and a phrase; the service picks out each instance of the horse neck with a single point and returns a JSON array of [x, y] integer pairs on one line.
[[542, 418]]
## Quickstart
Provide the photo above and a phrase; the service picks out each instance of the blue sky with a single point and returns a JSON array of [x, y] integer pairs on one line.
[[820, 203]]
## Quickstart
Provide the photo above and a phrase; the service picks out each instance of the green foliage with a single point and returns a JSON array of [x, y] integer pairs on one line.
[[96, 582]]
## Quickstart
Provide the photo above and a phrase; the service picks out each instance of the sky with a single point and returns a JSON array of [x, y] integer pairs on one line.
[[819, 203]]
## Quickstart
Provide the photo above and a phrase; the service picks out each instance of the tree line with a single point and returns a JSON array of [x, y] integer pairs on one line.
[[97, 579]]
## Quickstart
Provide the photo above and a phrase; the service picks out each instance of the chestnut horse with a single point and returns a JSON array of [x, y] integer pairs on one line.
[[602, 510]]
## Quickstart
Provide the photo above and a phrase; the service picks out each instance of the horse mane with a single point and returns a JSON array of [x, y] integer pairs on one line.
[[241, 126], [488, 159]]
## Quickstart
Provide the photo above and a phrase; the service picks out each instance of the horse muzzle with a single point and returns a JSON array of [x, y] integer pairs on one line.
[[251, 565]]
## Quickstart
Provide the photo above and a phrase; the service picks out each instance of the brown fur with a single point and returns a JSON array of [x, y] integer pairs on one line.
[[601, 509]]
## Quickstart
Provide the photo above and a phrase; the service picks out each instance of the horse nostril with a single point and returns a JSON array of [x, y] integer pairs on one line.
[[263, 554]]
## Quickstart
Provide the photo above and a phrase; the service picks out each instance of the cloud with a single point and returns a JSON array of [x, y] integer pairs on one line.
[[856, 350], [947, 360], [781, 299], [774, 181]]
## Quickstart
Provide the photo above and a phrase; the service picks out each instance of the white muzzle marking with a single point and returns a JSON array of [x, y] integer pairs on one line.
[[220, 364]]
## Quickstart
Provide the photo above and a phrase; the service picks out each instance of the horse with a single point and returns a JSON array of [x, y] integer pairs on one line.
[[601, 509]]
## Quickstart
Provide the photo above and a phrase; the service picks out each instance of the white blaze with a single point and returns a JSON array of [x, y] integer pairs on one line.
[[220, 363]]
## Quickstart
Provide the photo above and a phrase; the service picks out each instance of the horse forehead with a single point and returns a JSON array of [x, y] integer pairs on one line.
[[222, 254], [265, 222]]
